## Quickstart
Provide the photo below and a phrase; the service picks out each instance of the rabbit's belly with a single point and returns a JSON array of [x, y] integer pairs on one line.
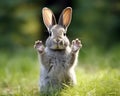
[[56, 71], [55, 68]]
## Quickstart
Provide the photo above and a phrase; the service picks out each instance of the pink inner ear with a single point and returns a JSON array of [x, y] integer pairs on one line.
[[67, 17], [47, 17]]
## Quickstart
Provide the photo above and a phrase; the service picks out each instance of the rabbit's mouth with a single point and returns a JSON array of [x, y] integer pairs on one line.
[[58, 47]]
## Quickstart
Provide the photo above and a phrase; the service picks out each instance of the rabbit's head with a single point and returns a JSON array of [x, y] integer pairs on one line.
[[57, 39]]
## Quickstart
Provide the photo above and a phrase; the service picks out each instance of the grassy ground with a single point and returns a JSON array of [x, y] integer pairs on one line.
[[98, 73]]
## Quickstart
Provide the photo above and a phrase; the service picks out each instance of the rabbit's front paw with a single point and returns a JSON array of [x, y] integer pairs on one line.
[[39, 46], [76, 45]]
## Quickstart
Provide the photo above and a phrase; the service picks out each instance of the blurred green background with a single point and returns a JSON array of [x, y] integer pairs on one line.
[[95, 22]]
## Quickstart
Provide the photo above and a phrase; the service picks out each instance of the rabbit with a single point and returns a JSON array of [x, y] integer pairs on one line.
[[57, 58]]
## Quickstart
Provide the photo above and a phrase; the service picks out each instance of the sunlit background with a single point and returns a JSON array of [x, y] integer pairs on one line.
[[95, 22]]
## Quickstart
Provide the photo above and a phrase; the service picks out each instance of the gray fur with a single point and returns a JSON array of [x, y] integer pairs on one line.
[[58, 58]]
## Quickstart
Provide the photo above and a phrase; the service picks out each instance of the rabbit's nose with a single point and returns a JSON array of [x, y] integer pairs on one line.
[[56, 40], [61, 42]]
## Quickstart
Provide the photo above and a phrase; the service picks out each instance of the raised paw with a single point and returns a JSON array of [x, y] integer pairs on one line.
[[39, 46], [76, 45]]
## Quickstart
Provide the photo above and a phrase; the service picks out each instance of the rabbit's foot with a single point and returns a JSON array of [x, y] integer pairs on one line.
[[76, 45], [39, 46]]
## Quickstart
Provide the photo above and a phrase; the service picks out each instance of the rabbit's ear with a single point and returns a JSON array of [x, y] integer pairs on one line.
[[65, 17], [48, 17]]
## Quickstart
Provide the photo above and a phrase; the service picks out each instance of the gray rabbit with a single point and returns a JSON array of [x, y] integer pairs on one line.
[[58, 58]]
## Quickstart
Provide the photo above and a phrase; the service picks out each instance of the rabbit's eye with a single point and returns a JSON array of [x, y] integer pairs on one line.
[[64, 34]]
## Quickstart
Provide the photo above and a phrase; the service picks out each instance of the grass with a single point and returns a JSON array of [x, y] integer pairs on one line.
[[98, 73]]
